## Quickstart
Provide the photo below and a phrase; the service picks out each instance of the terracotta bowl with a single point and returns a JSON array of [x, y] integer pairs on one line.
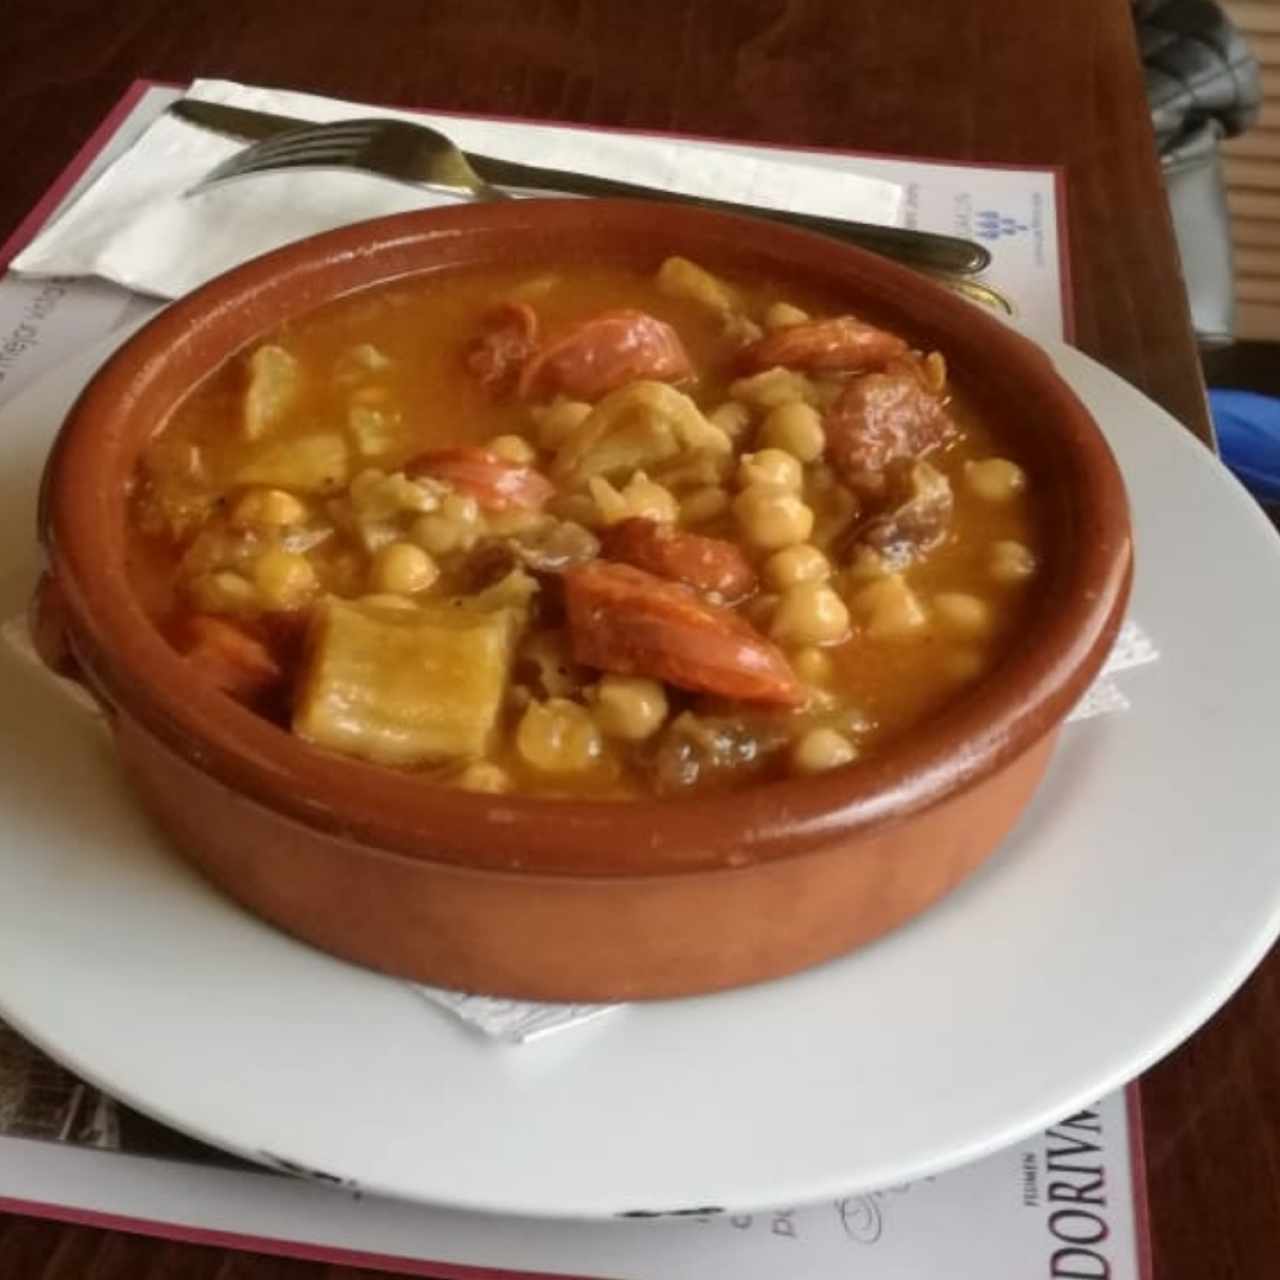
[[561, 900]]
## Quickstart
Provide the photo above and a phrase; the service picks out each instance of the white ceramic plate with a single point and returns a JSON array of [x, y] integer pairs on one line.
[[1137, 893]]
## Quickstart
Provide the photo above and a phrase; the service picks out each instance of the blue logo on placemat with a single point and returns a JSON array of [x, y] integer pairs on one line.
[[990, 224]]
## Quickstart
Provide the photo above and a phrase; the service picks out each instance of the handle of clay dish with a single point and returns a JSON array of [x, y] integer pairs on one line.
[[48, 619], [47, 624]]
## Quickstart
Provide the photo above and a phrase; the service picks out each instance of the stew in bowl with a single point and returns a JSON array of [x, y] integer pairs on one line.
[[582, 599], [586, 530]]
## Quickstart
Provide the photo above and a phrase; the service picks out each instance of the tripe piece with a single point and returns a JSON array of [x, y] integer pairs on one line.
[[305, 464], [403, 686], [274, 382]]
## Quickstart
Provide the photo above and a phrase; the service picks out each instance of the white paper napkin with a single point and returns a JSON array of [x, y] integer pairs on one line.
[[135, 226], [1132, 648]]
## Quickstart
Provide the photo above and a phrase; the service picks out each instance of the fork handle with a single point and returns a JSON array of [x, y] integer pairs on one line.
[[918, 248]]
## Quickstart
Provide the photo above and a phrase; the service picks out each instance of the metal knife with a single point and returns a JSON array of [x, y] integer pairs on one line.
[[937, 253]]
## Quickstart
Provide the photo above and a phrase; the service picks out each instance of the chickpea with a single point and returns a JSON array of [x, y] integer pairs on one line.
[[700, 465], [285, 579], [650, 500], [995, 479], [1009, 562], [866, 565], [704, 504], [851, 721], [559, 420], [401, 568], [797, 428], [641, 498], [773, 387], [820, 750], [887, 608], [732, 418], [502, 524], [781, 315], [367, 357], [629, 707], [961, 612], [484, 776], [793, 565], [378, 496], [770, 467], [224, 592], [558, 736], [611, 506], [812, 665], [741, 330], [819, 699], [772, 518], [436, 534], [268, 507], [461, 507], [513, 448], [453, 528], [679, 278], [810, 613], [935, 372]]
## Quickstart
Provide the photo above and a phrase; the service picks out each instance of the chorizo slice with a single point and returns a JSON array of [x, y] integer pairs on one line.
[[625, 620], [495, 483], [842, 344], [879, 419], [508, 339], [603, 353], [709, 565], [229, 657]]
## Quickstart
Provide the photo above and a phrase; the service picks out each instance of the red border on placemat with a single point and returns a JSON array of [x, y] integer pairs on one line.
[[332, 1254], [16, 242]]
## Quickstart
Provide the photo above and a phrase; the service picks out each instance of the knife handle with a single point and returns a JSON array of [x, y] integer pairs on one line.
[[917, 248]]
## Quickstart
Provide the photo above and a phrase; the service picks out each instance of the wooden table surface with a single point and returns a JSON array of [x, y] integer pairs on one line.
[[1042, 81]]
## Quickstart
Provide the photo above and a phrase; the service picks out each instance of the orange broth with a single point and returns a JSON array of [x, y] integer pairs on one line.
[[865, 687]]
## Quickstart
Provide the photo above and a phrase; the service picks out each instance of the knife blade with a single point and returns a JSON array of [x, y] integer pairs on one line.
[[235, 122], [937, 254]]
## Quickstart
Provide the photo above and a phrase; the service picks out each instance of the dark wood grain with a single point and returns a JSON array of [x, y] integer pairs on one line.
[[1042, 81]]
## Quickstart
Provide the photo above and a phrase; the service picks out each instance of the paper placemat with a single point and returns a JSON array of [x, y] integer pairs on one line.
[[1063, 1203], [1067, 1202]]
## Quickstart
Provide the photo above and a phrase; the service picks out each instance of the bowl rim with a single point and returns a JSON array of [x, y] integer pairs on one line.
[[137, 673]]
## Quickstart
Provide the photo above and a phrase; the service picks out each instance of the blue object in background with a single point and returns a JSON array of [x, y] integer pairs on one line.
[[1248, 427]]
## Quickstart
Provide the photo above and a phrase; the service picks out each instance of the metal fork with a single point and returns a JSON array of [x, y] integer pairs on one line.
[[421, 156]]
